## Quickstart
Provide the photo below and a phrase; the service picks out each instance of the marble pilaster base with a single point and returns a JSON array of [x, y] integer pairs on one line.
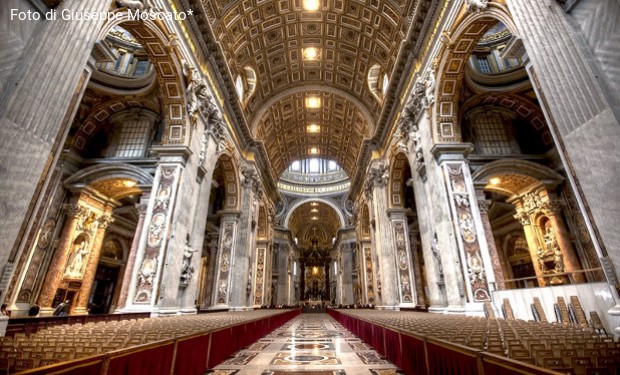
[[393, 308], [437, 309], [242, 308], [455, 309], [4, 322]]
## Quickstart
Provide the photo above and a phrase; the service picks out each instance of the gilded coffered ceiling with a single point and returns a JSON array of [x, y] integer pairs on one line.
[[271, 38], [314, 221]]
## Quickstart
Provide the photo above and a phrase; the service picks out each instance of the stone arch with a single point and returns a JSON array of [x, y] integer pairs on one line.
[[523, 108], [110, 179], [231, 181], [515, 175], [305, 88], [397, 175], [159, 46], [308, 200], [122, 242], [100, 113], [462, 40]]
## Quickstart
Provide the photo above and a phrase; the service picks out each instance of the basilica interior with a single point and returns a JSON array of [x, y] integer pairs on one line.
[[381, 186]]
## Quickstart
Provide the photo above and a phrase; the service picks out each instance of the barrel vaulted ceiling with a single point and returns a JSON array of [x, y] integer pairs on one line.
[[270, 37], [314, 220]]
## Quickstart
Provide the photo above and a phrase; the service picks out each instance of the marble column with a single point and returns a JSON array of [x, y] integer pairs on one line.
[[74, 265], [476, 270], [131, 258], [260, 286], [224, 263], [583, 118], [75, 213], [241, 283], [571, 263], [81, 304], [209, 279], [402, 257], [302, 279], [328, 296], [51, 78], [346, 272], [376, 187], [532, 240], [144, 290], [416, 269], [499, 263]]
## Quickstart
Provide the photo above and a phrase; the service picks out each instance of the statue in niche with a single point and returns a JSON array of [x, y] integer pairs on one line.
[[186, 268], [78, 256], [435, 250], [551, 242]]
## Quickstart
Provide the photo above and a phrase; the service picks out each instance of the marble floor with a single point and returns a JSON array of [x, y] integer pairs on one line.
[[313, 344]]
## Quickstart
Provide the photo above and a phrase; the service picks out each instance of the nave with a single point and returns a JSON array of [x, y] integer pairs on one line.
[[312, 344]]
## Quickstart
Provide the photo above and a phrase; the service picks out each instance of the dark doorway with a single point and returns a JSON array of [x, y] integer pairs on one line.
[[103, 289]]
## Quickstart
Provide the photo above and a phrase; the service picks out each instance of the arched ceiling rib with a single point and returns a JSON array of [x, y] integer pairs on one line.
[[284, 131], [270, 36]]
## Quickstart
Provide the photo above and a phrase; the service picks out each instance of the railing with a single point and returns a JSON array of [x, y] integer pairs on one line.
[[191, 354], [597, 273], [418, 354]]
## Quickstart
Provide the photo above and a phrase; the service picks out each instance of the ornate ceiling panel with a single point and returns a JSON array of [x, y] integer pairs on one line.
[[284, 131], [270, 38], [510, 183], [315, 220]]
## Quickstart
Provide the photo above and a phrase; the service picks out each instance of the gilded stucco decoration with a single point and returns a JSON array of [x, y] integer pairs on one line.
[[272, 37]]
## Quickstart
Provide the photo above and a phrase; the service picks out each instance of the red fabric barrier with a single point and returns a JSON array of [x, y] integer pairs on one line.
[[377, 339], [152, 361], [413, 358], [77, 367], [392, 346], [191, 355], [456, 361], [221, 346]]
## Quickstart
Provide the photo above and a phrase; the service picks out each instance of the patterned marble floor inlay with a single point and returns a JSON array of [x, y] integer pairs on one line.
[[242, 358], [372, 358], [311, 344], [258, 346], [276, 372]]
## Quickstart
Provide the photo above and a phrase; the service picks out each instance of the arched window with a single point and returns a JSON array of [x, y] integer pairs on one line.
[[245, 84], [239, 87], [378, 82]]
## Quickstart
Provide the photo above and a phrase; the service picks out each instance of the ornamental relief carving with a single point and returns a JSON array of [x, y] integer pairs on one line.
[[224, 268], [47, 231], [155, 236], [467, 230], [260, 267], [403, 262], [369, 275]]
